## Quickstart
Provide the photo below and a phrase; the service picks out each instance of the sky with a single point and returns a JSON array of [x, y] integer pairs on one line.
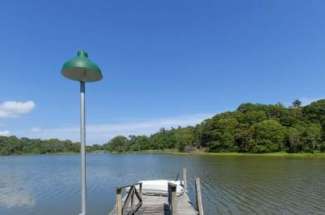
[[165, 63]]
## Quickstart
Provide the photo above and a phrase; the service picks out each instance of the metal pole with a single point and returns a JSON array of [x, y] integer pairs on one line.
[[83, 146], [185, 179]]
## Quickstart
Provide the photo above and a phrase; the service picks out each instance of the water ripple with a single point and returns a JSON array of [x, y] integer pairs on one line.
[[39, 185]]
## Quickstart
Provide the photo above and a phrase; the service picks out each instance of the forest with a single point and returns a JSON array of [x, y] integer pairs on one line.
[[253, 128], [13, 145]]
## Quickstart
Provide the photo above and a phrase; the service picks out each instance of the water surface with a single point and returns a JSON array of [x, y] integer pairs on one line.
[[49, 184]]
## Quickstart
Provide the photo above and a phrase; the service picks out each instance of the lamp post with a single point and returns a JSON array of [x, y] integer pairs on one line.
[[81, 69]]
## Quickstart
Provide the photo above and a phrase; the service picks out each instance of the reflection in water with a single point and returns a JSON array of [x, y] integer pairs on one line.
[[38, 185], [13, 193]]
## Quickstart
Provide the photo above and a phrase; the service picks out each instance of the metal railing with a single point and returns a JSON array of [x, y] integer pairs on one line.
[[129, 198], [132, 202]]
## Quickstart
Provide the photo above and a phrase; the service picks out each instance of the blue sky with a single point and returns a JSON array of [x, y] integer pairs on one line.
[[165, 63]]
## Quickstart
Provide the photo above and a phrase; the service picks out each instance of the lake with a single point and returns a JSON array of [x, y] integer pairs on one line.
[[49, 184]]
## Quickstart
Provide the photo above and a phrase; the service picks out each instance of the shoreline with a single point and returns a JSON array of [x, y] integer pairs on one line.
[[194, 153], [229, 154]]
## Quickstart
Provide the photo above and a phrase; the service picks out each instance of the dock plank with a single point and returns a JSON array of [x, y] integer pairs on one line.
[[158, 205]]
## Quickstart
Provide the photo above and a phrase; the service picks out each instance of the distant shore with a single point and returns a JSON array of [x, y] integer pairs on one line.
[[195, 153], [230, 154]]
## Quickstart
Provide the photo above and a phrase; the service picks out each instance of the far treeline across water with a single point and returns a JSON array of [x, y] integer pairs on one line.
[[254, 128]]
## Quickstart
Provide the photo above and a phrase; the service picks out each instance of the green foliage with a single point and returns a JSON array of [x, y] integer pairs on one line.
[[118, 144], [14, 145], [294, 141], [315, 112], [255, 128], [269, 136], [139, 143], [219, 133], [184, 137]]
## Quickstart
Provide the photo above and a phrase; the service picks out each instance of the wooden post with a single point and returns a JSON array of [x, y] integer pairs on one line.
[[172, 198], [132, 197], [140, 190], [185, 179], [199, 204], [119, 201]]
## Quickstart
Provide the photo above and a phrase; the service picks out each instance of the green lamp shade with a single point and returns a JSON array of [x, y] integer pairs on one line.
[[80, 68]]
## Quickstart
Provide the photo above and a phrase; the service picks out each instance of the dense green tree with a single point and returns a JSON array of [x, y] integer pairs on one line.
[[118, 144], [269, 136], [252, 117], [184, 137], [256, 128], [13, 145], [293, 140], [311, 138], [219, 133], [315, 112], [139, 143], [244, 137]]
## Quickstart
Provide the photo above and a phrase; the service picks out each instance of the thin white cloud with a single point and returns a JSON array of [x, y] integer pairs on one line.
[[100, 133], [308, 100], [304, 100], [5, 133], [15, 108]]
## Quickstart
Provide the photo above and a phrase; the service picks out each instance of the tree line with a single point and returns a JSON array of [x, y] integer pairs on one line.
[[13, 145], [254, 128]]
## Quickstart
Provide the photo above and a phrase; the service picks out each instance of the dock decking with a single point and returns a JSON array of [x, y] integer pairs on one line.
[[158, 205], [136, 202]]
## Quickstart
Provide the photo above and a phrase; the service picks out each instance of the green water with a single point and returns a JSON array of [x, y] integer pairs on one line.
[[49, 184]]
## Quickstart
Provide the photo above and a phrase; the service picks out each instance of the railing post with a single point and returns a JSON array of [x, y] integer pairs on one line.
[[185, 179], [140, 190], [198, 196], [132, 198], [172, 198], [119, 201]]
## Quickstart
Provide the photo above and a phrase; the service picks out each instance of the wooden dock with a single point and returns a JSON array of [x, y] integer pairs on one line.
[[137, 202], [158, 205]]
